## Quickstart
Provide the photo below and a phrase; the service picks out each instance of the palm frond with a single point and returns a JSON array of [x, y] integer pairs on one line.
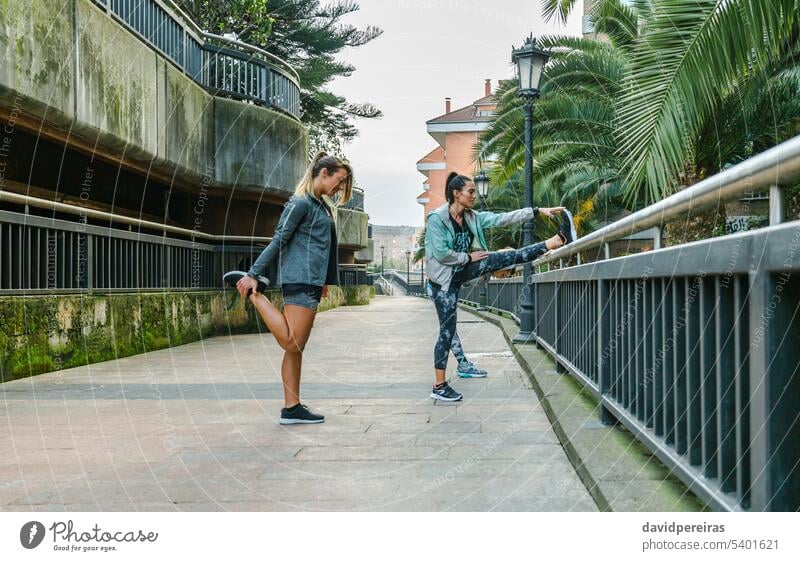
[[559, 9], [690, 53]]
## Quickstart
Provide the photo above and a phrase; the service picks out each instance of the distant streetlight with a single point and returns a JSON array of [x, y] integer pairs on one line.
[[530, 62], [408, 268], [481, 181], [382, 253]]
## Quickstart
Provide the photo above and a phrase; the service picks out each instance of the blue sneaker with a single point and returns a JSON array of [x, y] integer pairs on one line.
[[469, 370]]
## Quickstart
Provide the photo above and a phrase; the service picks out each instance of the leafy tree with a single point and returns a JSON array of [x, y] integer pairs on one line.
[[308, 35]]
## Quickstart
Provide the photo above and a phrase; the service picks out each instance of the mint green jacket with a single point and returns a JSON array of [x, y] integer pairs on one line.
[[440, 238]]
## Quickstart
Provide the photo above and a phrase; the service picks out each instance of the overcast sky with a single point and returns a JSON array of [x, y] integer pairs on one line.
[[430, 49]]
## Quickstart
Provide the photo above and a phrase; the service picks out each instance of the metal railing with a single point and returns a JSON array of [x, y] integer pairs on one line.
[[415, 288], [356, 202], [221, 65], [46, 255], [42, 255], [693, 348], [353, 275]]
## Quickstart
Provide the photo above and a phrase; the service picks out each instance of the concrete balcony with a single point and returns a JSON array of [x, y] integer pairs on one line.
[[76, 73]]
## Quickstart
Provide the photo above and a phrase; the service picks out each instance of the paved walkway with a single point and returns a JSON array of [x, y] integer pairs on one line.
[[194, 427]]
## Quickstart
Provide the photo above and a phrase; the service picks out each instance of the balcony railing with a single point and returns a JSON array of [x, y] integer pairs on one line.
[[356, 201], [693, 348], [222, 65]]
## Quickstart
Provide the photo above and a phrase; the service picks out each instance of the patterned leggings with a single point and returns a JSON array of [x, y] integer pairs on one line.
[[446, 302]]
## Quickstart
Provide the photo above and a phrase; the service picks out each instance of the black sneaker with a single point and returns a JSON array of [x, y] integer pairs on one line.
[[445, 393], [299, 414], [566, 230], [232, 277]]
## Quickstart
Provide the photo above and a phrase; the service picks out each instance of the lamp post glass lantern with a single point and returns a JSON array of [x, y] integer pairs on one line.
[[481, 181], [530, 61]]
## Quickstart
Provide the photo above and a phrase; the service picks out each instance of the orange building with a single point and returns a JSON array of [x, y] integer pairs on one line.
[[456, 133]]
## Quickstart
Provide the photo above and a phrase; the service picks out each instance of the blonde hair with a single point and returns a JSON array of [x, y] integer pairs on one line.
[[333, 164]]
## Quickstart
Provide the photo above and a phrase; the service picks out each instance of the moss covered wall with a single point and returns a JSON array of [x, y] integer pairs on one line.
[[36, 71], [45, 333], [187, 140], [117, 84]]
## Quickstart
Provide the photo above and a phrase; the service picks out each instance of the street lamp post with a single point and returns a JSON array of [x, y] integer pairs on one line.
[[382, 249], [481, 181], [408, 268], [530, 62]]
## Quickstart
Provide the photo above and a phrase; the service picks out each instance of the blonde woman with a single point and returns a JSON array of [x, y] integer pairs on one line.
[[306, 248]]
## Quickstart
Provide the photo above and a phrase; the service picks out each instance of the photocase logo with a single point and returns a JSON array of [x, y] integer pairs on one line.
[[31, 534]]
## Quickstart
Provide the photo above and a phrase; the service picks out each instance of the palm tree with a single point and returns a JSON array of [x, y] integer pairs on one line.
[[670, 92], [690, 60]]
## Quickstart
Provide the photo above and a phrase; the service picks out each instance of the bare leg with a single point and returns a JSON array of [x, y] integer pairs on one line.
[[277, 322], [291, 330], [553, 243], [300, 320]]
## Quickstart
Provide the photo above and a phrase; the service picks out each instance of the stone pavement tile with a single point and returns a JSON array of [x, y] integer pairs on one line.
[[264, 454], [231, 506], [83, 491], [490, 468], [529, 423], [373, 413], [397, 426], [243, 471], [374, 438], [528, 452], [336, 470], [487, 439], [370, 453]]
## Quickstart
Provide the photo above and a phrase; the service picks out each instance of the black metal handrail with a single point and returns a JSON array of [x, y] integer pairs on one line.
[[40, 255], [222, 65]]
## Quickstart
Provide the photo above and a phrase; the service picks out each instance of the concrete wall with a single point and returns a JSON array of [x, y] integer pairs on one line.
[[35, 45], [68, 64], [351, 228], [45, 333]]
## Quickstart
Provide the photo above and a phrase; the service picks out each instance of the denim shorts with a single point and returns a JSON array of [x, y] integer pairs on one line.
[[307, 296]]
